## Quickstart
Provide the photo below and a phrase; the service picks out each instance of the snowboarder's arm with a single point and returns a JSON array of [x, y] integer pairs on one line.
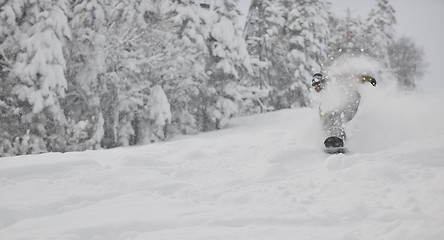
[[368, 78]]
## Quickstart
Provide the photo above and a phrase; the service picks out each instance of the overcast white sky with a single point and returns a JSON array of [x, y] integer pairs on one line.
[[419, 19]]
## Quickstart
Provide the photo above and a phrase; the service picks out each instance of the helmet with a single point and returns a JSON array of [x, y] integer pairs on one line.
[[317, 82]]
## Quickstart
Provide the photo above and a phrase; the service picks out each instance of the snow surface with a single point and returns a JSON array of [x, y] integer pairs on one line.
[[264, 177]]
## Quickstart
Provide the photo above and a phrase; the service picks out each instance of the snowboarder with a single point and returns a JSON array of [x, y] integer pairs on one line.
[[339, 102]]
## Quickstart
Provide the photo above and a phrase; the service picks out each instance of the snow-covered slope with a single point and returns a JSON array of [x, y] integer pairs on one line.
[[264, 177]]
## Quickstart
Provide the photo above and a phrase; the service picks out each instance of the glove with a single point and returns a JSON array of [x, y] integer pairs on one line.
[[373, 82]]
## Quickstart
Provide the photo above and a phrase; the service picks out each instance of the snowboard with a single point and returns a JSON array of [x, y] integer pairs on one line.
[[334, 145]]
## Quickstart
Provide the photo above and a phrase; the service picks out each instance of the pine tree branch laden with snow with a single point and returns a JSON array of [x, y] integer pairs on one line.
[[34, 39]]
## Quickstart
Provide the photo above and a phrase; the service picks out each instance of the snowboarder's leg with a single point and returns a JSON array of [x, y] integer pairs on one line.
[[333, 124], [334, 127], [350, 111]]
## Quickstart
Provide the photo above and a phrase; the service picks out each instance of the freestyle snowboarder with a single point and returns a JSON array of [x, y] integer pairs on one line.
[[339, 102]]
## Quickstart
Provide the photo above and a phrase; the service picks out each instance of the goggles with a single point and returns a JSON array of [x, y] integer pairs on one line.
[[316, 81]]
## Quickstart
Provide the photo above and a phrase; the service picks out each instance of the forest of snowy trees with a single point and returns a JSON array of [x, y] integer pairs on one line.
[[90, 74]]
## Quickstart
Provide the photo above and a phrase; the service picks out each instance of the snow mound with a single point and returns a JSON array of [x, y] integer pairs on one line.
[[265, 177]]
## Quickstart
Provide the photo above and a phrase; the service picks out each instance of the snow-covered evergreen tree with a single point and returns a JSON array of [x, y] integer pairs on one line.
[[295, 40], [263, 31], [380, 30], [211, 60], [279, 73], [87, 63], [228, 59], [347, 37], [159, 115], [10, 119], [37, 64], [184, 71], [132, 57], [308, 32], [407, 61]]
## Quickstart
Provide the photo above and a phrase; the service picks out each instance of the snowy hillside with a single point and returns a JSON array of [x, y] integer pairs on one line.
[[264, 177]]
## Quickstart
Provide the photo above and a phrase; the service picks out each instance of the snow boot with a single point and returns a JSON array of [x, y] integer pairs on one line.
[[334, 145]]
